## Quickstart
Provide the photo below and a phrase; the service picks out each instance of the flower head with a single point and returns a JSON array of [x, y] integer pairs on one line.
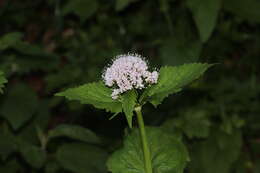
[[128, 72]]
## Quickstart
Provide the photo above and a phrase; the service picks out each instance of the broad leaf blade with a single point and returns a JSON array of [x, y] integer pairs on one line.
[[247, 10], [173, 79], [20, 105], [205, 14], [74, 132], [83, 8], [10, 166], [168, 153], [217, 154], [194, 123], [33, 155], [7, 145], [96, 94], [178, 52], [82, 158], [10, 40], [128, 103]]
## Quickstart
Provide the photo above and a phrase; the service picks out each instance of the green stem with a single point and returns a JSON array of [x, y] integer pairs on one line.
[[146, 151]]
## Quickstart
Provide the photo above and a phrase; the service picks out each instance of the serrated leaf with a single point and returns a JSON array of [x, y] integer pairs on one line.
[[83, 8], [205, 14], [168, 154], [20, 105], [96, 94], [128, 103], [74, 132], [217, 153], [82, 158], [2, 81], [172, 80]]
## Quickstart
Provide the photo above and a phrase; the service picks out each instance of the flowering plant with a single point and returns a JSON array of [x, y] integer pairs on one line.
[[127, 85]]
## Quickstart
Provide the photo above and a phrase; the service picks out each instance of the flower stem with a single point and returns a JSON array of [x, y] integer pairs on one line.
[[146, 151]]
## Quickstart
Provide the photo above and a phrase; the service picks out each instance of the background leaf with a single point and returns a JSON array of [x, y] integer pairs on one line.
[[217, 153], [84, 9], [10, 40], [7, 145], [2, 81], [20, 105], [205, 14], [74, 132], [168, 154], [34, 155], [122, 4], [177, 52], [10, 166], [194, 123], [248, 10], [82, 158]]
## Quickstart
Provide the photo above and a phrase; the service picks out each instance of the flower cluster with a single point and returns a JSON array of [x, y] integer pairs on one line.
[[128, 72]]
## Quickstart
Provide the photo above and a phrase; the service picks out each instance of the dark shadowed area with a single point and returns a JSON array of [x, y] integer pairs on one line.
[[47, 46]]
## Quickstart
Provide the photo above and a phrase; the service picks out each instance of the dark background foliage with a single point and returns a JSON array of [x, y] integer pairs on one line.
[[49, 45]]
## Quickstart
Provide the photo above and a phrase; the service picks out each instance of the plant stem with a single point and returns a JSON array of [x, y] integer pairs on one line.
[[146, 151]]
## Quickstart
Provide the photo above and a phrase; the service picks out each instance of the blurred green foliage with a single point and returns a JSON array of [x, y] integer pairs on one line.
[[47, 46]]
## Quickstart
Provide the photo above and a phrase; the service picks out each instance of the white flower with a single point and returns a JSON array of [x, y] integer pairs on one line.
[[128, 72]]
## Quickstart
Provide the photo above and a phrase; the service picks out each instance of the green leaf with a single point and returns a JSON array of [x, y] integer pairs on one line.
[[10, 40], [177, 52], [7, 145], [2, 81], [96, 94], [122, 4], [14, 40], [248, 10], [10, 166], [194, 123], [33, 155], [167, 153], [257, 166], [74, 132], [51, 167], [217, 153], [205, 14], [128, 103], [20, 105], [83, 8], [31, 49], [40, 120], [172, 80], [82, 158]]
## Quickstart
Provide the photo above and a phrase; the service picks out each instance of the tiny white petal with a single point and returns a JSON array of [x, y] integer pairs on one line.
[[128, 72]]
